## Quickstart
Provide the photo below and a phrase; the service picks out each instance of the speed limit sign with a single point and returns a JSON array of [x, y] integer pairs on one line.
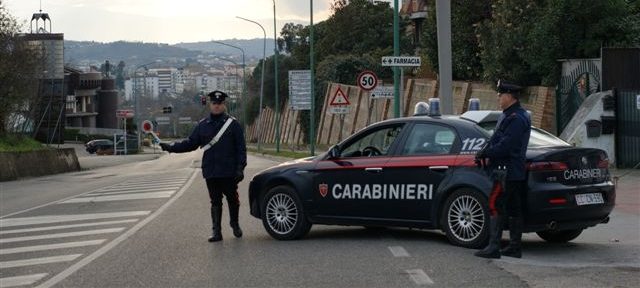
[[367, 80]]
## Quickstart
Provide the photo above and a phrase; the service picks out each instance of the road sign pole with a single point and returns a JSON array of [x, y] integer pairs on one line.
[[396, 52], [312, 113], [125, 135], [443, 19]]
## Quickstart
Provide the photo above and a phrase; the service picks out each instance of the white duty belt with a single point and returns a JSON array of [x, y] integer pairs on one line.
[[219, 135]]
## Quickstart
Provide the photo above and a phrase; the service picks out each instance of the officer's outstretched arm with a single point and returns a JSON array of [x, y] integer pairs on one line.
[[189, 144], [512, 137]]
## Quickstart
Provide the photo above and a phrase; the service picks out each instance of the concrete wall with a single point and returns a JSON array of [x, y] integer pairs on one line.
[[576, 131], [364, 110], [37, 163]]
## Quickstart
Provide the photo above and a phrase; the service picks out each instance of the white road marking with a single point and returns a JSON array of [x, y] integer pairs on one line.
[[51, 246], [38, 261], [10, 222], [419, 277], [398, 251], [136, 196], [104, 249], [62, 235], [128, 187], [21, 280], [154, 182], [151, 181], [27, 230], [128, 192]]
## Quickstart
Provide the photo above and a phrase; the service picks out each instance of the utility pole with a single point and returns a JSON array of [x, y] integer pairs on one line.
[[275, 68], [312, 112], [264, 59], [396, 52]]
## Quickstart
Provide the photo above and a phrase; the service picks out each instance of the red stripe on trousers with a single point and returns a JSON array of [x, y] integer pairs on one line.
[[495, 193]]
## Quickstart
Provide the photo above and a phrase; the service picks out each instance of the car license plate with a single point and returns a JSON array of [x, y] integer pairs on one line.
[[589, 199]]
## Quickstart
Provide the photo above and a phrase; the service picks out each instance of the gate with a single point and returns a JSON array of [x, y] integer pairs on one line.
[[581, 82], [628, 134]]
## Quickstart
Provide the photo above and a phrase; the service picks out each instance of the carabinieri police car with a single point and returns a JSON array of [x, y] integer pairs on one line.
[[420, 172]]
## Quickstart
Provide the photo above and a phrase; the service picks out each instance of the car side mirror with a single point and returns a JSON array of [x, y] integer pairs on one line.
[[334, 152]]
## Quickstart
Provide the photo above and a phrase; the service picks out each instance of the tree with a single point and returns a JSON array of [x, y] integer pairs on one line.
[[566, 29], [19, 68]]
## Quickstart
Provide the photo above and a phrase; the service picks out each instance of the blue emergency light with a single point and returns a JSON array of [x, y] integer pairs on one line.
[[434, 107], [474, 104]]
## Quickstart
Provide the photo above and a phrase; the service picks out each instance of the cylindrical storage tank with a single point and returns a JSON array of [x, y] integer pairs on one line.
[[107, 105]]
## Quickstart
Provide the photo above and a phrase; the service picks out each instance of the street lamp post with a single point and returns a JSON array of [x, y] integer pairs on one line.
[[264, 47], [396, 52], [312, 113], [275, 69], [244, 81]]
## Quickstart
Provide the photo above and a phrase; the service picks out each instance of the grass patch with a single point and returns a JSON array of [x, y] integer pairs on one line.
[[18, 143], [283, 153]]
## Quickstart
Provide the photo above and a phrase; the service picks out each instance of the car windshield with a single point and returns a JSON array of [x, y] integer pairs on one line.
[[539, 137]]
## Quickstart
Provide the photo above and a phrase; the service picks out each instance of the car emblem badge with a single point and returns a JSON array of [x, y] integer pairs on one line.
[[324, 189], [584, 160]]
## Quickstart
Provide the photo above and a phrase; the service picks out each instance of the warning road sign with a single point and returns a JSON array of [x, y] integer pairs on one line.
[[339, 103], [339, 99]]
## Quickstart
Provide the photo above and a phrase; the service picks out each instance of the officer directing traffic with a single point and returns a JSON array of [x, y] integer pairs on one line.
[[223, 161], [506, 151]]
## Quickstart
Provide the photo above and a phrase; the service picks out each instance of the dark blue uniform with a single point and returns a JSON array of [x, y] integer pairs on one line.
[[224, 159], [507, 153], [222, 164], [508, 144]]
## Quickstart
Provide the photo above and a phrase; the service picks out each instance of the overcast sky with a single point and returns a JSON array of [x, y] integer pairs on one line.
[[166, 21]]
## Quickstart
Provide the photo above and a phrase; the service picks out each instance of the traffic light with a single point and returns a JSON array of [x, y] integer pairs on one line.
[[203, 100], [166, 110]]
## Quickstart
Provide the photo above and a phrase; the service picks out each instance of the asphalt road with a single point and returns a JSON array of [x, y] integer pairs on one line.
[[158, 239]]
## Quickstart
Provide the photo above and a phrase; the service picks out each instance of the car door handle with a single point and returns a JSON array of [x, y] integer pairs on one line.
[[438, 168], [373, 170]]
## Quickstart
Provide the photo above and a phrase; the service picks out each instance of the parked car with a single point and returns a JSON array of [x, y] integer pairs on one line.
[[99, 146], [419, 172]]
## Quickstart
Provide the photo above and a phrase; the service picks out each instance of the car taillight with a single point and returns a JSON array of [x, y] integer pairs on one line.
[[603, 163], [558, 201], [547, 166]]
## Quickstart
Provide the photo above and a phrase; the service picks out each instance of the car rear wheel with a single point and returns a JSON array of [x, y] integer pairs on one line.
[[465, 218], [282, 214], [559, 236]]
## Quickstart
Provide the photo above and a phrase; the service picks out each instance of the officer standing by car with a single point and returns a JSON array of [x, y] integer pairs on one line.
[[506, 151], [223, 161]]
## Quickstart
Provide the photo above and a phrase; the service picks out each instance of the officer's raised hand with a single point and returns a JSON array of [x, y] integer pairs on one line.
[[165, 146]]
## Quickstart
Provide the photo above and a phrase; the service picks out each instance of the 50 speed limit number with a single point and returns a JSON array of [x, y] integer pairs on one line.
[[367, 80]]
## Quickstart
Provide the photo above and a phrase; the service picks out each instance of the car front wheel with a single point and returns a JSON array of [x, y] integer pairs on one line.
[[282, 214], [465, 218]]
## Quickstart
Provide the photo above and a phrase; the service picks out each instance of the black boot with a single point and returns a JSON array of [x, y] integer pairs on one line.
[[234, 210], [515, 239], [495, 234], [216, 218]]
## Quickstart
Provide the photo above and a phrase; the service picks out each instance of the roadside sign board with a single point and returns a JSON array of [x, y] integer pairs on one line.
[[162, 120], [382, 92], [339, 103], [300, 89], [124, 113], [367, 80], [401, 61], [184, 120]]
